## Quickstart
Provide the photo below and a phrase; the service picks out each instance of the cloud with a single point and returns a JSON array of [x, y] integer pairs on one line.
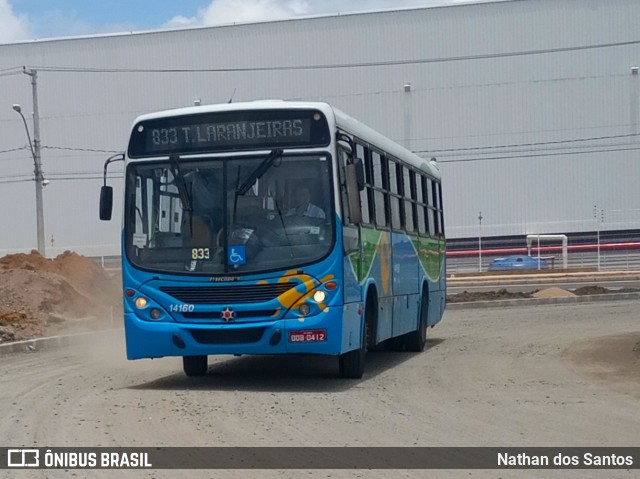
[[14, 27], [65, 23], [238, 11]]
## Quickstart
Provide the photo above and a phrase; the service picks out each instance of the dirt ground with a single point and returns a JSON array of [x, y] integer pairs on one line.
[[613, 358], [41, 297], [539, 375]]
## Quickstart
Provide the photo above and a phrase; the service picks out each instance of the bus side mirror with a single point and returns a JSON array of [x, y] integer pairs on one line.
[[106, 192], [353, 192], [106, 202]]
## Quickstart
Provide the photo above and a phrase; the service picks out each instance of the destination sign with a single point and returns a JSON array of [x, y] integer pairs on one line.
[[228, 131]]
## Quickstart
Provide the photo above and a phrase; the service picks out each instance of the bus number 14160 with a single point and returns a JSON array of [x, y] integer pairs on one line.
[[181, 308]]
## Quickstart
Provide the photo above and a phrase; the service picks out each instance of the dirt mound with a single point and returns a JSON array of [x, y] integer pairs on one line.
[[595, 289], [82, 273], [40, 296], [553, 293], [466, 296], [591, 289]]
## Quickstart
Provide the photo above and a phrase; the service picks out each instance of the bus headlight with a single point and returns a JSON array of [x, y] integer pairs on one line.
[[155, 313], [319, 296], [141, 302], [304, 309]]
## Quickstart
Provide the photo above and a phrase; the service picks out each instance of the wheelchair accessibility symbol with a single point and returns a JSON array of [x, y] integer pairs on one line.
[[236, 255]]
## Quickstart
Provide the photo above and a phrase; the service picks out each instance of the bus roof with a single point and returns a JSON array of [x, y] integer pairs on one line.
[[342, 121], [368, 134]]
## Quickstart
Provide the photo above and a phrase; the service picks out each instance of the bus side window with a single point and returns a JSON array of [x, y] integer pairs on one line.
[[428, 199], [394, 194], [440, 210], [420, 208], [366, 194], [409, 194], [343, 157], [380, 181], [433, 210]]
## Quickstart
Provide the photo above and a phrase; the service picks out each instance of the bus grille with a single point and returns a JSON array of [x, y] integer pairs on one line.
[[267, 313], [253, 293], [227, 336]]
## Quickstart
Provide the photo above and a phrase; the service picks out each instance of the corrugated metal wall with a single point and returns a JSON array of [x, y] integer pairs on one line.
[[509, 130]]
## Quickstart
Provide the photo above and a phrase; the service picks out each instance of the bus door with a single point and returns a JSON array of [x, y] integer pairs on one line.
[[351, 243]]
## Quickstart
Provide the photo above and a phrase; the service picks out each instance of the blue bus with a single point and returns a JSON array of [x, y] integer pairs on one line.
[[276, 227]]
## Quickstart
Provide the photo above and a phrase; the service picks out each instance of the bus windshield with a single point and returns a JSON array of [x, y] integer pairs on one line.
[[229, 215]]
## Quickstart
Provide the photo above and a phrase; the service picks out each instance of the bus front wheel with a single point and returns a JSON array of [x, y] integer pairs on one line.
[[352, 363], [195, 365]]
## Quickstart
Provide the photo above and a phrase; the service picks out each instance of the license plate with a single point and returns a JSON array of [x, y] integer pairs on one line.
[[311, 336]]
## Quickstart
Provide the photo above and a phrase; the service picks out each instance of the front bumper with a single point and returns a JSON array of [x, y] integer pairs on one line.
[[148, 339]]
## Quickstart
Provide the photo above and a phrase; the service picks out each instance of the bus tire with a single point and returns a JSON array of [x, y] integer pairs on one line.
[[416, 340], [195, 365], [352, 363]]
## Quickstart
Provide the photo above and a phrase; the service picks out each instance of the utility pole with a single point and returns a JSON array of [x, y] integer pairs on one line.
[[480, 242], [39, 177], [598, 212], [408, 105]]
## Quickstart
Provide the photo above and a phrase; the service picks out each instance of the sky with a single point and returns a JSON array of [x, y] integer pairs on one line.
[[38, 19]]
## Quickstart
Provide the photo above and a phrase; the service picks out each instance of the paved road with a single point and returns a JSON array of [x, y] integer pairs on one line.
[[532, 376]]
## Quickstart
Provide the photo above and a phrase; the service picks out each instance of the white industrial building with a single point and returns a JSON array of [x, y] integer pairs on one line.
[[532, 108]]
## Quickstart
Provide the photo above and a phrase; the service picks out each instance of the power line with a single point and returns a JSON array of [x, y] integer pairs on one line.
[[460, 86], [486, 56], [95, 177], [576, 148], [14, 149], [63, 148], [466, 160], [90, 150], [19, 175], [520, 145], [2, 182], [478, 149], [68, 177], [79, 173]]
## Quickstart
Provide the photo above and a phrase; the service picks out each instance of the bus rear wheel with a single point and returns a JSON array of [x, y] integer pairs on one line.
[[416, 340], [195, 365]]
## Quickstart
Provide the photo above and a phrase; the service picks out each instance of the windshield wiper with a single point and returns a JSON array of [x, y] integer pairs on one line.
[[284, 227], [260, 170], [185, 198]]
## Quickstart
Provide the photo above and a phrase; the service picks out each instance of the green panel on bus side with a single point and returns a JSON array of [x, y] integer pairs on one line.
[[362, 265], [428, 250], [429, 253]]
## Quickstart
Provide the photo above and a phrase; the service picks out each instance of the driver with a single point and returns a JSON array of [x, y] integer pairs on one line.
[[303, 206], [205, 219]]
